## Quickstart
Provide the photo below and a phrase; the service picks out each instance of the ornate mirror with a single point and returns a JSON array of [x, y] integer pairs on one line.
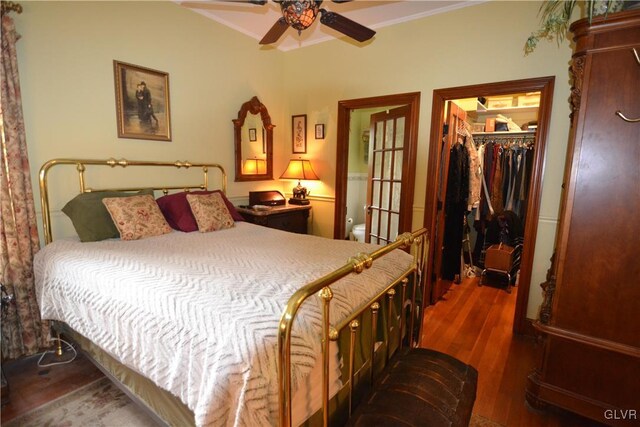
[[253, 134]]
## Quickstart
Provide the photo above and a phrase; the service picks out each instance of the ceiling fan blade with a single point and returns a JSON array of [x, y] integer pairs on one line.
[[346, 26], [341, 1], [275, 32]]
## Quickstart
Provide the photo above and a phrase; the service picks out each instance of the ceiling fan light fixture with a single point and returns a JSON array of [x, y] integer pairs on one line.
[[300, 14]]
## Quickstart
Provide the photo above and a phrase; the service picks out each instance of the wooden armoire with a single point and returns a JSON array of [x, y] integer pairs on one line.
[[589, 322]]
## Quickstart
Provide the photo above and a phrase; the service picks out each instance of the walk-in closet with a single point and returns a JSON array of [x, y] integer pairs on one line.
[[488, 151]]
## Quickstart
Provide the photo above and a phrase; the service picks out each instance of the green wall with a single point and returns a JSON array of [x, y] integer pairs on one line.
[[67, 49], [66, 58], [473, 45]]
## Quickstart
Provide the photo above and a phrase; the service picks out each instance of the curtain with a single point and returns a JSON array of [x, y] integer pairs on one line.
[[23, 332]]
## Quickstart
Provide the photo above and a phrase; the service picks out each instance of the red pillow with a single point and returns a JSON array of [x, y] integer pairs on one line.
[[177, 211]]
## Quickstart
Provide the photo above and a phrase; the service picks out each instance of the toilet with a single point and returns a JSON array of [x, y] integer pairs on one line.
[[358, 232]]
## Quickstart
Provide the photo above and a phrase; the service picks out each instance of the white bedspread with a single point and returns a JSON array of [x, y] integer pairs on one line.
[[198, 313]]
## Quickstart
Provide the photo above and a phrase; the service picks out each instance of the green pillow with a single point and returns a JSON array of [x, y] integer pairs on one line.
[[90, 217]]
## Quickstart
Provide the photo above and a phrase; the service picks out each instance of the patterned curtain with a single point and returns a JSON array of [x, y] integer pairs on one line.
[[23, 332]]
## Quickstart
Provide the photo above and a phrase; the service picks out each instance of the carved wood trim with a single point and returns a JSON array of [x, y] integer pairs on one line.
[[253, 106], [548, 289], [576, 70]]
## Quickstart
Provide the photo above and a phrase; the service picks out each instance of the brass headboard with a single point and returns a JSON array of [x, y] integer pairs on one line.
[[81, 167]]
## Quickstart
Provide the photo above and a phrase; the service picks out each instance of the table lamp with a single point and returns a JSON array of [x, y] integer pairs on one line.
[[299, 169]]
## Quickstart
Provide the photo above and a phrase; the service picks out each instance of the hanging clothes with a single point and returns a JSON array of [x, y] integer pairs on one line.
[[475, 171], [507, 170], [455, 207]]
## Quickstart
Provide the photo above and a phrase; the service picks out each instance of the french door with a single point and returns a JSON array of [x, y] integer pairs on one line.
[[387, 151]]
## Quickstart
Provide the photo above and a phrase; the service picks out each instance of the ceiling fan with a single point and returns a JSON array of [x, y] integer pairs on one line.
[[301, 14]]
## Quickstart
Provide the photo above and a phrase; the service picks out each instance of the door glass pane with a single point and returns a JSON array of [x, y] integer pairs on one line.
[[395, 201], [389, 135], [400, 132], [386, 186], [386, 172], [375, 196], [383, 224], [379, 136], [393, 233], [377, 164], [374, 225], [397, 168]]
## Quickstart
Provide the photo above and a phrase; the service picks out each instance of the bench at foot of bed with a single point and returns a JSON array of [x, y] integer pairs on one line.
[[420, 387]]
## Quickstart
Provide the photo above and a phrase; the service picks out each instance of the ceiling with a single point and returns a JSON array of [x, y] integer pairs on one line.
[[255, 20]]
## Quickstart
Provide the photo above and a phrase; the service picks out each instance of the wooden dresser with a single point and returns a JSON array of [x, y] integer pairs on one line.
[[589, 324], [291, 218]]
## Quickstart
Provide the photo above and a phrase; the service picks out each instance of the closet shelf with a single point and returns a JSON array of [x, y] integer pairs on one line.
[[504, 133], [482, 110]]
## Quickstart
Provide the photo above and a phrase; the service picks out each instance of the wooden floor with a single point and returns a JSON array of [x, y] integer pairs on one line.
[[31, 386], [472, 323]]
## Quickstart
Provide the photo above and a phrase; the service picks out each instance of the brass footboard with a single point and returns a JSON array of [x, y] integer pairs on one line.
[[417, 242]]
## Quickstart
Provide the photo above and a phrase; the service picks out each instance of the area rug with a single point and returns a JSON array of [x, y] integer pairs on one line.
[[98, 404], [102, 404]]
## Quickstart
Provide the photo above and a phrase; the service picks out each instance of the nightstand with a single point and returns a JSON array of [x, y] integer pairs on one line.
[[292, 218]]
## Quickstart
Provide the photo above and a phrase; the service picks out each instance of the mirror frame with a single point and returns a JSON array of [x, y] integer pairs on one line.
[[253, 106]]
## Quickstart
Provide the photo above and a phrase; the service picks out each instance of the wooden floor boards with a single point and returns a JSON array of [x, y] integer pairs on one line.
[[474, 324], [31, 386]]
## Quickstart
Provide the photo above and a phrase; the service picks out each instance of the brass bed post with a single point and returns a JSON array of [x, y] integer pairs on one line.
[[326, 294], [412, 313], [390, 294], [404, 295], [374, 331], [353, 327], [81, 168]]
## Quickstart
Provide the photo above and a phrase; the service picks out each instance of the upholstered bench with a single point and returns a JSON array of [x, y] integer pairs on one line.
[[420, 387]]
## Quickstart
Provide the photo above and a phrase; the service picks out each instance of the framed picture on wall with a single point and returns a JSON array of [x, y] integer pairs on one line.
[[319, 131], [299, 133], [252, 135], [142, 102]]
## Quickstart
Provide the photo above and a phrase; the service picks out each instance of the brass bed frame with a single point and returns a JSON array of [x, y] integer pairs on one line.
[[408, 332]]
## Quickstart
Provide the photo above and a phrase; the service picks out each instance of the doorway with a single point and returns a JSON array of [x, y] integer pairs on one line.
[[434, 216], [391, 129]]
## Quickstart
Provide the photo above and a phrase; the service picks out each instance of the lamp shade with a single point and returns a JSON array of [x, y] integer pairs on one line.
[[254, 167], [300, 14], [299, 169]]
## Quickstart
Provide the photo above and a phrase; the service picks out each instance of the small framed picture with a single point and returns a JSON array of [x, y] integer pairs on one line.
[[319, 131], [142, 102], [252, 135], [299, 133]]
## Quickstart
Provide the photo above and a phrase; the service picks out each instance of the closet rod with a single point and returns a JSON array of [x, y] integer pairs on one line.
[[514, 138]]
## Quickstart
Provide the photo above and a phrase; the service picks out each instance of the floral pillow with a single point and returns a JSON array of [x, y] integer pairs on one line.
[[210, 212], [136, 217], [177, 210]]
